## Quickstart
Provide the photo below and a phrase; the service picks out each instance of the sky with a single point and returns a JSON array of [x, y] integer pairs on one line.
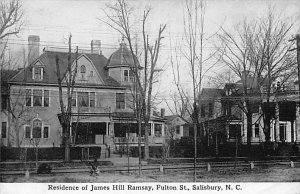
[[54, 20]]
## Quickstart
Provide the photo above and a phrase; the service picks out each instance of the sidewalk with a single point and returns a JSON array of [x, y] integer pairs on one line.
[[117, 160]]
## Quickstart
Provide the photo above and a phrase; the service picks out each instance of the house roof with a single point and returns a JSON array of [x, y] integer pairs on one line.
[[212, 92], [171, 117], [121, 57], [48, 60], [5, 76]]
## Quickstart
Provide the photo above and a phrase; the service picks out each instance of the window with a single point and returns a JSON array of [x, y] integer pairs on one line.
[[82, 69], [131, 75], [38, 73], [37, 129], [143, 129], [256, 130], [126, 75], [157, 130], [28, 97], [46, 98], [73, 102], [83, 99], [4, 129], [27, 132], [178, 129], [46, 132], [202, 110], [37, 97], [210, 109], [282, 131], [120, 100], [4, 102], [92, 99], [234, 131], [91, 74]]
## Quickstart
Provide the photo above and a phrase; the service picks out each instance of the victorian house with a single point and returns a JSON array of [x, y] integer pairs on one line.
[[102, 103]]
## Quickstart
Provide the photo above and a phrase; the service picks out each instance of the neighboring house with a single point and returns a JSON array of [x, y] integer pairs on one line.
[[211, 118], [175, 127], [102, 111], [5, 76], [222, 118]]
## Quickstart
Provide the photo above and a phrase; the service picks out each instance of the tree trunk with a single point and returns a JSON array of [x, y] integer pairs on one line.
[[146, 140], [249, 130], [267, 127]]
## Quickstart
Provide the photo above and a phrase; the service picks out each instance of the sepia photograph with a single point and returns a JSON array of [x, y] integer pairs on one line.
[[149, 95]]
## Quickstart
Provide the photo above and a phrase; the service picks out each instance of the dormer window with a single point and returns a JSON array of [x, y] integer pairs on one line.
[[37, 73]]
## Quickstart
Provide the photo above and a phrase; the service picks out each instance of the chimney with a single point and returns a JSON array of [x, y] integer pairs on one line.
[[96, 47], [33, 48], [162, 112]]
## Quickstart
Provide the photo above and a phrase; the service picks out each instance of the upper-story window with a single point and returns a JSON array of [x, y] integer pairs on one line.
[[38, 73], [128, 76], [120, 100], [37, 97], [46, 98], [157, 130], [28, 97], [82, 69], [83, 99], [92, 99], [73, 102], [256, 130], [4, 129]]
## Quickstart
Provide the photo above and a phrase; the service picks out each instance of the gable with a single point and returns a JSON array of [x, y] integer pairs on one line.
[[179, 121], [86, 71]]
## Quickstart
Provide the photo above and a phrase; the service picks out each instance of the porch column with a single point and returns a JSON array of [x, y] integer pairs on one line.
[[292, 131], [162, 130], [152, 129], [297, 124], [277, 138], [107, 128]]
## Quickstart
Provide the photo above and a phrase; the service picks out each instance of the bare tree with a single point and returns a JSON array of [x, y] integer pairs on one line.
[[257, 52], [120, 17], [10, 24], [66, 80], [192, 50], [14, 100], [219, 79], [10, 18]]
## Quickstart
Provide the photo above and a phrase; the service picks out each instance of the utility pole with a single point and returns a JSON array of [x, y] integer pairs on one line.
[[297, 38], [298, 62]]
